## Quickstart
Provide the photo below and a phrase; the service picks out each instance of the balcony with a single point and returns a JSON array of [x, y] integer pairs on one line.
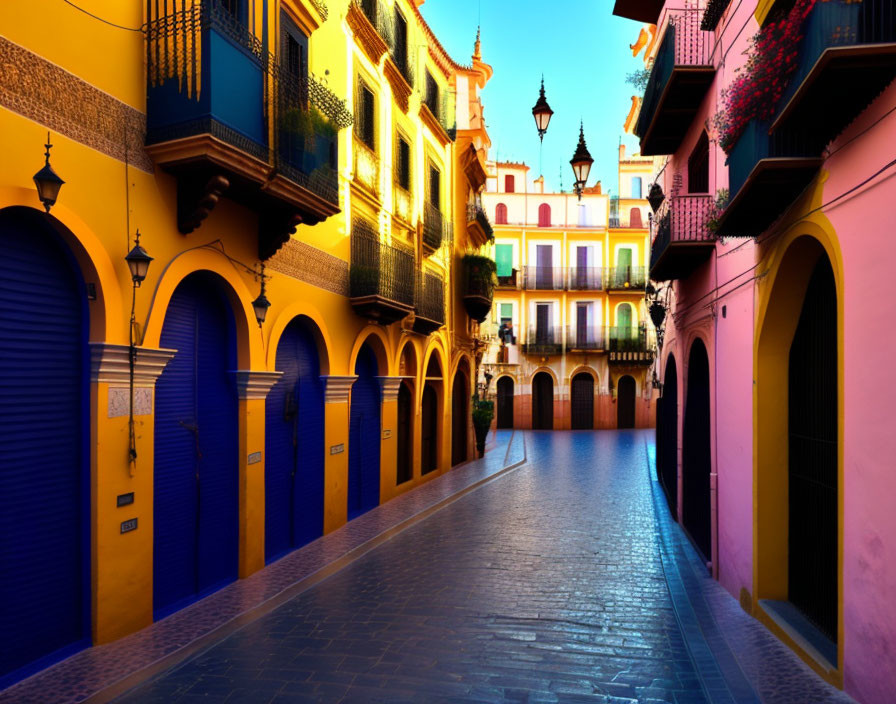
[[436, 229], [382, 277], [682, 241], [430, 308], [510, 282], [545, 278], [543, 341], [479, 286], [846, 58], [647, 11], [366, 167], [225, 119], [630, 346], [681, 75], [585, 278], [478, 224], [587, 339], [371, 23], [625, 278], [766, 173]]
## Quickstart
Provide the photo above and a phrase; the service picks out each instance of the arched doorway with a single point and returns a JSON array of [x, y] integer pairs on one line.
[[364, 435], [459, 414], [505, 402], [404, 436], [813, 454], [625, 402], [429, 422], [294, 445], [696, 457], [196, 474], [667, 436], [44, 428], [582, 401], [543, 402]]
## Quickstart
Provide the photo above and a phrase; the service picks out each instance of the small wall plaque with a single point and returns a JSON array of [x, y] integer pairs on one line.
[[129, 525], [125, 499], [337, 449], [255, 458], [387, 434]]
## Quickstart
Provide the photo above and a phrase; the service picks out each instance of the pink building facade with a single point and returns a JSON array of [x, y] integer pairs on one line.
[[775, 439]]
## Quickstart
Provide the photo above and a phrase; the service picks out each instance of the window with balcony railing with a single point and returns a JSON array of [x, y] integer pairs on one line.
[[379, 269]]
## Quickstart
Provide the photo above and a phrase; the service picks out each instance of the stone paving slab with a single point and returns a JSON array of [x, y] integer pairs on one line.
[[91, 671]]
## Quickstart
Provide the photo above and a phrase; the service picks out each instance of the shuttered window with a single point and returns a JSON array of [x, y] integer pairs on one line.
[[365, 116], [435, 186], [403, 164]]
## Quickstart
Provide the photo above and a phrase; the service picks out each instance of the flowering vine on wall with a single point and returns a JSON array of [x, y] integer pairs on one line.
[[760, 82]]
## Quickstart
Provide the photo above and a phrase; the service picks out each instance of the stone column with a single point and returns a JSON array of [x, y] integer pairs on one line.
[[337, 391], [252, 389], [121, 490]]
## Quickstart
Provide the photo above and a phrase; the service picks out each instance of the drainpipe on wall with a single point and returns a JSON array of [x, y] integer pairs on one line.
[[714, 467]]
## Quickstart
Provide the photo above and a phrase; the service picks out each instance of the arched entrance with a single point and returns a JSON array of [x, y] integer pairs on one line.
[[505, 402], [429, 446], [625, 402], [581, 394], [459, 414], [196, 473], [542, 402], [667, 436], [294, 445], [364, 436], [44, 427], [404, 436], [812, 453], [696, 457]]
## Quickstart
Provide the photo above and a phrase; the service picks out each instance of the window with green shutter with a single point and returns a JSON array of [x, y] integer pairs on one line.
[[504, 259]]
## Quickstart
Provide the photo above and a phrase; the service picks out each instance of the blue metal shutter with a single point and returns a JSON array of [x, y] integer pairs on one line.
[[294, 446], [44, 531], [364, 437], [196, 474]]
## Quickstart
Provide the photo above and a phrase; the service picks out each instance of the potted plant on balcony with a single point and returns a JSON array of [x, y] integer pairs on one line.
[[313, 133], [480, 280], [716, 210]]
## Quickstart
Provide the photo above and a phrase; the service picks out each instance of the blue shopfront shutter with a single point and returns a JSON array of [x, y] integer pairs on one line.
[[364, 437]]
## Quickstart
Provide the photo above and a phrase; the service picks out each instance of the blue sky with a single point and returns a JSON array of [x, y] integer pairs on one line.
[[583, 51]]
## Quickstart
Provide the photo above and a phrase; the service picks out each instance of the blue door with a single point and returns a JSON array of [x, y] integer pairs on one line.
[[196, 523], [364, 437], [294, 454], [44, 588]]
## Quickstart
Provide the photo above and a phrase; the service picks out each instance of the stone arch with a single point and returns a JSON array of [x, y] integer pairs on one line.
[[550, 371], [406, 362], [588, 370], [316, 326], [438, 351], [379, 343]]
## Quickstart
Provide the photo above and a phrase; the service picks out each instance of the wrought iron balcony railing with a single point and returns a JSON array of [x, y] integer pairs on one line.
[[586, 339], [630, 345], [682, 239], [543, 341], [680, 77], [382, 277], [380, 17], [476, 217], [436, 228], [430, 306], [545, 278], [589, 278], [622, 278]]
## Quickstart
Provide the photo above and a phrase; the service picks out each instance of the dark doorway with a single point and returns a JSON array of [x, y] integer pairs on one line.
[[459, 413], [429, 422], [505, 402], [667, 436], [405, 438], [698, 166], [582, 401], [544, 266], [696, 458], [813, 452], [625, 403], [364, 436], [543, 402]]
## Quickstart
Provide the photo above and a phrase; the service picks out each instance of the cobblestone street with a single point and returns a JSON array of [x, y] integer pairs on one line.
[[547, 584]]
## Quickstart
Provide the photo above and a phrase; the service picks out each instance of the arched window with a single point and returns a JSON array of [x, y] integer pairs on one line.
[[634, 218], [636, 187], [544, 215], [500, 214], [508, 183]]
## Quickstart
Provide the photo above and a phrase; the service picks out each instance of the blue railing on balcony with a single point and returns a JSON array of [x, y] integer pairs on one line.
[[834, 23], [206, 74]]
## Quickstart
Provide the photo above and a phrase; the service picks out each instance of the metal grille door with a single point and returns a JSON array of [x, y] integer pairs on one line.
[[812, 418]]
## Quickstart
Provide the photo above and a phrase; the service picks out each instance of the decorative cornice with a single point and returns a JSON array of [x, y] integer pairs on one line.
[[401, 91], [254, 385], [337, 388], [313, 266], [110, 364], [368, 38], [434, 125], [390, 385], [60, 101]]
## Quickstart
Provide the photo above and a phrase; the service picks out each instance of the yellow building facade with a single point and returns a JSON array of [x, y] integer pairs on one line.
[[342, 149], [569, 346]]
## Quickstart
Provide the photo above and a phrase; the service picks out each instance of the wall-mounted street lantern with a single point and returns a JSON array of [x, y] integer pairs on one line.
[[47, 181], [138, 262], [261, 304], [581, 163], [542, 113]]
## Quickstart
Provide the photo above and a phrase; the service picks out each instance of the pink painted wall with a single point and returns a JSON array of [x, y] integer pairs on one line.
[[865, 222]]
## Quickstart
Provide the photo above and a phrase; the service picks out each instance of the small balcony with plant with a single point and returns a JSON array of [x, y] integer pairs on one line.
[[545, 341], [429, 310], [630, 346], [478, 224], [479, 280], [625, 278], [381, 278], [683, 237], [682, 73]]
